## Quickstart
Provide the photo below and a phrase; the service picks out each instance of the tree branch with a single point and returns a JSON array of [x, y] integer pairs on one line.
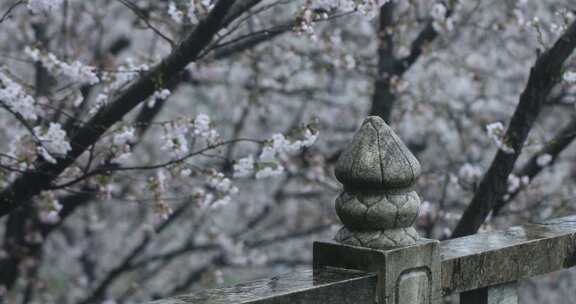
[[34, 181], [390, 67], [531, 168], [99, 292], [544, 75], [10, 9]]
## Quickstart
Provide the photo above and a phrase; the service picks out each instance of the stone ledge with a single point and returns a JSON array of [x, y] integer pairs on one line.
[[467, 263], [497, 257], [305, 287]]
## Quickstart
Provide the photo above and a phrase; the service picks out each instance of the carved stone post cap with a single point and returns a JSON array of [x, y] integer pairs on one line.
[[377, 159]]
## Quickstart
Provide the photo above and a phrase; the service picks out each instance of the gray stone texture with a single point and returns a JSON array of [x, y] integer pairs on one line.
[[377, 210], [304, 287], [379, 239], [405, 275], [503, 294], [377, 207], [479, 266], [516, 253], [377, 159]]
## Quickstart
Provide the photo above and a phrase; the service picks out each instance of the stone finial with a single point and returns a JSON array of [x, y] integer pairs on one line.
[[378, 206]]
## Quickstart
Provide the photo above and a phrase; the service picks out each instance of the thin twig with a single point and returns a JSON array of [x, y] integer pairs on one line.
[[108, 169], [10, 9], [134, 8]]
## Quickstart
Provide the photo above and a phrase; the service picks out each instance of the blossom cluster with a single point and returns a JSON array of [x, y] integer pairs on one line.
[[75, 71], [544, 160], [43, 6], [23, 151], [122, 141], [176, 137], [470, 173], [222, 187], [178, 132], [158, 95], [269, 160], [123, 75], [202, 127], [442, 23], [306, 21], [515, 183], [569, 76], [366, 7], [157, 185], [16, 98], [496, 133], [566, 16], [190, 10], [53, 141], [50, 208], [317, 10]]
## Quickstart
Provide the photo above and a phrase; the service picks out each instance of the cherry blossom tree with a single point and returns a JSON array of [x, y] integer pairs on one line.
[[154, 147]]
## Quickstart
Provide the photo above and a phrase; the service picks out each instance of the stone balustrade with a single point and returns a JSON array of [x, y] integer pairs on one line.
[[378, 257]]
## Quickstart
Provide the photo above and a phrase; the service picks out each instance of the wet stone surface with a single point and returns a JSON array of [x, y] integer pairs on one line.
[[327, 286], [502, 256], [405, 275], [377, 159], [378, 206], [467, 263]]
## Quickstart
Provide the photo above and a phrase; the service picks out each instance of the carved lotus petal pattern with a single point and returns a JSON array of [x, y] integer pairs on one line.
[[378, 206], [391, 211], [380, 239], [377, 159]]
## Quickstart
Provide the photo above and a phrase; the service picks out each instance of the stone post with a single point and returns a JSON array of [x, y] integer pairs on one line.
[[378, 205], [378, 208]]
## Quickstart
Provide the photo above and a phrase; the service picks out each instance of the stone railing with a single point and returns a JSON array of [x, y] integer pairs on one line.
[[378, 257]]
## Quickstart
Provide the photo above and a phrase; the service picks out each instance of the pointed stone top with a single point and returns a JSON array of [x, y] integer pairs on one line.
[[377, 159]]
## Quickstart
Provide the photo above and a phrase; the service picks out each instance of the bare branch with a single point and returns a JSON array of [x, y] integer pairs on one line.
[[544, 75], [112, 168], [531, 168], [10, 9], [389, 66]]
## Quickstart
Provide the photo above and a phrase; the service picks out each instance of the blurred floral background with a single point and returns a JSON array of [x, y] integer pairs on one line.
[[153, 148]]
